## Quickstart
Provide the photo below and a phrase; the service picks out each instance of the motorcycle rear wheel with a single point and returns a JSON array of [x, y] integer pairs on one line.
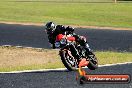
[[93, 62]]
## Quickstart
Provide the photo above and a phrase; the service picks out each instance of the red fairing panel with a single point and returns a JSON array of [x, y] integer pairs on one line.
[[71, 38], [59, 37]]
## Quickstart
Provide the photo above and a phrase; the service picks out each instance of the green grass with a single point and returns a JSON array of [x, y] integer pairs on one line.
[[60, 0], [33, 67], [16, 59], [95, 14], [110, 57]]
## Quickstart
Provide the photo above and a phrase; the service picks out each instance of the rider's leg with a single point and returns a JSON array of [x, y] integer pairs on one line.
[[87, 46]]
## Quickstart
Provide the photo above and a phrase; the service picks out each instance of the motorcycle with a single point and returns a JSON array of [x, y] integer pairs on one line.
[[68, 52]]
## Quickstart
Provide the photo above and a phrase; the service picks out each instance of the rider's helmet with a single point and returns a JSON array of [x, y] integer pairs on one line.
[[50, 27]]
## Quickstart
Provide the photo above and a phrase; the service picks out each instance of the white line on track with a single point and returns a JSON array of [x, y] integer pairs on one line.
[[115, 64], [59, 69]]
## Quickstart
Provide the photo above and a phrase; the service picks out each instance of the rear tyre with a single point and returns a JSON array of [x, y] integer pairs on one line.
[[93, 62]]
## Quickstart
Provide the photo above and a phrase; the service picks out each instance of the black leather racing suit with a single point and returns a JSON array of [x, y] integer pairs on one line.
[[60, 29]]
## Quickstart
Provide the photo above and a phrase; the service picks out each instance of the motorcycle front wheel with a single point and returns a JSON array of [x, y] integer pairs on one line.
[[69, 62]]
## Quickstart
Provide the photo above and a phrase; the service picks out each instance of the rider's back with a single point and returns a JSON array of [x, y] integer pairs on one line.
[[60, 29]]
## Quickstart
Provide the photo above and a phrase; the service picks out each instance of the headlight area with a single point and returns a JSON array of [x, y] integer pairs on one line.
[[57, 44], [63, 41]]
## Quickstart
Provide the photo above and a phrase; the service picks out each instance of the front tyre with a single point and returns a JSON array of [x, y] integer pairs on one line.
[[69, 62]]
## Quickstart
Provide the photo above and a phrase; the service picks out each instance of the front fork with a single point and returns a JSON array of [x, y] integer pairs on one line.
[[75, 52], [81, 62]]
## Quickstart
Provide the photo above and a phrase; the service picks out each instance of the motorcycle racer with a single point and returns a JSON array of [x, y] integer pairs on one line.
[[74, 49], [53, 30]]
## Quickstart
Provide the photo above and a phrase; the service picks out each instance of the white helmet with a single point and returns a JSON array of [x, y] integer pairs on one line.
[[50, 27]]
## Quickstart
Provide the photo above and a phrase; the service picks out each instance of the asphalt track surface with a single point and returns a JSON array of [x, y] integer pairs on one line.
[[35, 36], [62, 79]]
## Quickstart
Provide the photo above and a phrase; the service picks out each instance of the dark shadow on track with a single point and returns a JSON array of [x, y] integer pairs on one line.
[[35, 36]]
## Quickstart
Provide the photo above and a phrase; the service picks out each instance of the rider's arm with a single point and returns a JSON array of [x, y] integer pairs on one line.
[[76, 36], [52, 45]]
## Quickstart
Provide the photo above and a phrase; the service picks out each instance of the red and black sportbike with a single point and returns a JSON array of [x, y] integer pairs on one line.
[[69, 49]]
